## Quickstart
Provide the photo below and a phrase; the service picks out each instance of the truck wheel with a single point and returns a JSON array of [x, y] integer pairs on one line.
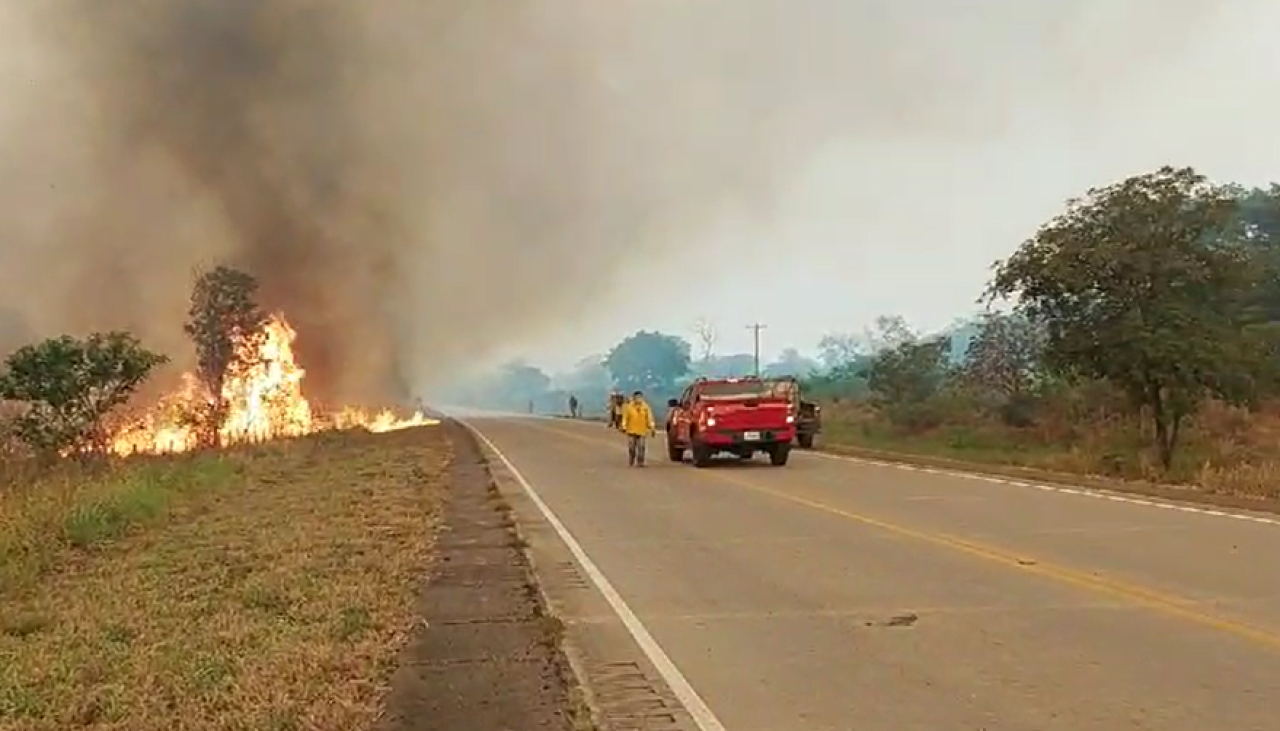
[[804, 441], [701, 455], [778, 454], [675, 452]]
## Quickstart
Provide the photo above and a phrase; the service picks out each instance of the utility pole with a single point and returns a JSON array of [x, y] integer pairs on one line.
[[755, 328]]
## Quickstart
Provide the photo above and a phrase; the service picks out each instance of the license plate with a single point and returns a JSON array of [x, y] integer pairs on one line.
[[751, 436]]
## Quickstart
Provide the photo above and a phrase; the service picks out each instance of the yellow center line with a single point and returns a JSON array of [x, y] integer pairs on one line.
[[1163, 603]]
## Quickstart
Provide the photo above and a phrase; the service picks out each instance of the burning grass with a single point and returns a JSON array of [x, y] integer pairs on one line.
[[269, 586]]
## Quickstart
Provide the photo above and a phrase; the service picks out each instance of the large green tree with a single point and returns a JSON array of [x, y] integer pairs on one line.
[[649, 361], [1141, 283], [224, 322], [68, 386]]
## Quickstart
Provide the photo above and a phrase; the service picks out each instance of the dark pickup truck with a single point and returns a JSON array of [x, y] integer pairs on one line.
[[808, 414], [739, 416]]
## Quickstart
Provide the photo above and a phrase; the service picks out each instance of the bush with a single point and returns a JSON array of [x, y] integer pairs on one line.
[[65, 388]]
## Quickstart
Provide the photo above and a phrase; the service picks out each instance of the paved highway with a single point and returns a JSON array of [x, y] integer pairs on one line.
[[835, 594]]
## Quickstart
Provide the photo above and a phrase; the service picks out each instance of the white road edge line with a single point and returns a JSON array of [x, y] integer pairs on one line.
[[1061, 490], [697, 708]]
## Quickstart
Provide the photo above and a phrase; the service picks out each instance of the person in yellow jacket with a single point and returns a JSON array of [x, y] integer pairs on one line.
[[637, 424]]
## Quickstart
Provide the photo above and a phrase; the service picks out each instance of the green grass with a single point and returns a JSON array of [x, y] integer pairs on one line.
[[957, 443], [48, 521]]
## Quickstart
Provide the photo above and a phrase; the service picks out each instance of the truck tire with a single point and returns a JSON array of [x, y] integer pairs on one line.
[[778, 454], [701, 455], [804, 441], [675, 452]]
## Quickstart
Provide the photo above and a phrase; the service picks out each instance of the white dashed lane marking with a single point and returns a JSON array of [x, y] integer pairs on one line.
[[1062, 490]]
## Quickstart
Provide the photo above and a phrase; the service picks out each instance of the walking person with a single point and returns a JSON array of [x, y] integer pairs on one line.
[[637, 424], [573, 406]]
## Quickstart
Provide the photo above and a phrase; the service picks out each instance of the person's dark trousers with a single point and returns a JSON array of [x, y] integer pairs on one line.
[[635, 450]]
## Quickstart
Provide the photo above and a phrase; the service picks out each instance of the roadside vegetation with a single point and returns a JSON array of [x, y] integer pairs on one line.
[[1134, 336], [266, 583]]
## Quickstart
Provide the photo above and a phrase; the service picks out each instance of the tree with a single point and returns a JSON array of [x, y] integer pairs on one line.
[[961, 332], [590, 382], [649, 361], [520, 383], [1138, 283], [706, 335], [727, 366], [1259, 228], [888, 331], [68, 386], [588, 375], [1003, 355], [226, 324], [1001, 365], [791, 363], [838, 349], [910, 372]]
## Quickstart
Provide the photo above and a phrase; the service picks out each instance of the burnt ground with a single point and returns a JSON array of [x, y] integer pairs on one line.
[[486, 655]]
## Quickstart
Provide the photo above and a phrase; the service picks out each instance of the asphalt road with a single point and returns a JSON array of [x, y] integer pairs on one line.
[[835, 594]]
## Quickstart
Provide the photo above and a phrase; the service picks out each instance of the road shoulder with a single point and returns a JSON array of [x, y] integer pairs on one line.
[[1183, 494], [486, 653], [617, 682]]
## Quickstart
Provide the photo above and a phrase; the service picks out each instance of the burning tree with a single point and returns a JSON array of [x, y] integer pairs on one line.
[[226, 324]]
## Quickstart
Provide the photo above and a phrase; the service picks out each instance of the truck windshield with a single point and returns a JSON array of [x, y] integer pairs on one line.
[[735, 391]]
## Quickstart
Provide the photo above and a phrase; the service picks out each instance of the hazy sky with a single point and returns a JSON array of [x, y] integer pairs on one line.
[[421, 184], [910, 222]]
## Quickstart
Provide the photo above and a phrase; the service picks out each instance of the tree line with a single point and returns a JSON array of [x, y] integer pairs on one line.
[[1146, 298], [1149, 297], [62, 392]]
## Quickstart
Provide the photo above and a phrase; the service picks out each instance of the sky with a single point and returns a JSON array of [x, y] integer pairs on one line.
[[422, 186], [910, 223]]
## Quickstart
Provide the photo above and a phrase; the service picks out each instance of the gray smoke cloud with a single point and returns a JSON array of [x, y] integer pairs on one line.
[[416, 181]]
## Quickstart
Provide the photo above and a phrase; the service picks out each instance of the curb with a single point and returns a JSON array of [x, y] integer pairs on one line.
[[581, 697]]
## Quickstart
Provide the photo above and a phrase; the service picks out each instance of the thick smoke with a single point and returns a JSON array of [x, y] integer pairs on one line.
[[415, 181]]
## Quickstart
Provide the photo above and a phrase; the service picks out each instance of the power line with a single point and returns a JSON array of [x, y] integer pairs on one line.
[[755, 328]]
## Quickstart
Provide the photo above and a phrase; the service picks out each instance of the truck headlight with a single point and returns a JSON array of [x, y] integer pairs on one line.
[[711, 421], [791, 419]]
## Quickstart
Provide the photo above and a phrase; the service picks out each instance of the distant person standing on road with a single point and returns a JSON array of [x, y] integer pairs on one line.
[[573, 406], [616, 402], [637, 424]]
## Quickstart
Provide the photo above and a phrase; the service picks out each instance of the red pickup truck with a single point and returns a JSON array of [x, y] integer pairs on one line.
[[740, 416]]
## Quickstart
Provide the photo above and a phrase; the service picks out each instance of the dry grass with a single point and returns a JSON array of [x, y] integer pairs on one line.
[[265, 588], [1225, 451]]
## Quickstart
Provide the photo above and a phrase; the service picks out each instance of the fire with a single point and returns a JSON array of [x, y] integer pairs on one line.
[[266, 402]]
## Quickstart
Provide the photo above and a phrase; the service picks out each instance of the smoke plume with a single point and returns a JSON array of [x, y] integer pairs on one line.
[[415, 181]]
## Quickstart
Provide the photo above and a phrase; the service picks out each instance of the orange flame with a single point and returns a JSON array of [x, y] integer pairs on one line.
[[265, 402]]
